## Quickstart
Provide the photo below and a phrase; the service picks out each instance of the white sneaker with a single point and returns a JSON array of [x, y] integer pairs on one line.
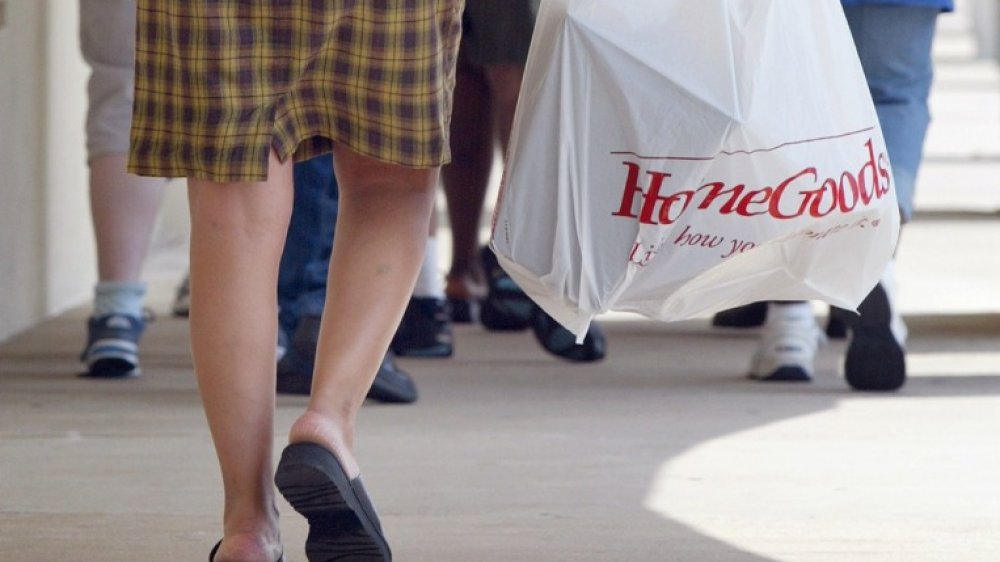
[[788, 344], [896, 324]]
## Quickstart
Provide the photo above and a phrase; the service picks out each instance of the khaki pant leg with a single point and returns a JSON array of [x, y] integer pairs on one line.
[[107, 40]]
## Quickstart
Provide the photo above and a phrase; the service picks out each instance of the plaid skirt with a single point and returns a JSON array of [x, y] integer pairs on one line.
[[219, 83]]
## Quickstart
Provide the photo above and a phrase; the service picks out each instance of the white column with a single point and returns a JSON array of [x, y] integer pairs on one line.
[[986, 18], [70, 265]]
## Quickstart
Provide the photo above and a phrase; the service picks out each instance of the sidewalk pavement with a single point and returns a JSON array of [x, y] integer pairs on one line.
[[663, 452]]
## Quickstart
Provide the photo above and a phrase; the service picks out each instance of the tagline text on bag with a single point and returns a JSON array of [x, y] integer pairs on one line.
[[804, 193]]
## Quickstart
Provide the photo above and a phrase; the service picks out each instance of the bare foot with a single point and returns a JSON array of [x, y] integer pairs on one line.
[[465, 288], [248, 547], [313, 427]]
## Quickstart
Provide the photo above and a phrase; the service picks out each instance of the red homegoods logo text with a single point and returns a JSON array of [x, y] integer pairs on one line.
[[804, 193]]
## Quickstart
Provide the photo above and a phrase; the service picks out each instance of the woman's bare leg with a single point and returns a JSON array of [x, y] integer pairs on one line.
[[237, 236], [378, 247]]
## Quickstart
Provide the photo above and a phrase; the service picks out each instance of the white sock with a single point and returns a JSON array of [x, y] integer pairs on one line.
[[793, 312], [429, 281], [119, 297]]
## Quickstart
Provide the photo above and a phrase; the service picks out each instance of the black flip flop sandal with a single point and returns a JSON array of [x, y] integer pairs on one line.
[[343, 524], [211, 555]]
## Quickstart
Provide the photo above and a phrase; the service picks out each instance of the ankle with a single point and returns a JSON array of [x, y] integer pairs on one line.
[[250, 540], [465, 286], [336, 433], [789, 313], [259, 518]]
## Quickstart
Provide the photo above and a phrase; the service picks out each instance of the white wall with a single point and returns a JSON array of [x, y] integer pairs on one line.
[[70, 267], [22, 251], [47, 259]]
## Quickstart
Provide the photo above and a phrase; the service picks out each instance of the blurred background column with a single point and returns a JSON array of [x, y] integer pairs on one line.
[[986, 15]]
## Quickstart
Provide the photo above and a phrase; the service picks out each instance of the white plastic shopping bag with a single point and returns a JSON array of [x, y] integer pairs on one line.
[[678, 157]]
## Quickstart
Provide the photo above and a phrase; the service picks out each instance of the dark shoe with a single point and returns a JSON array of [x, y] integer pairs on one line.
[[295, 369], [464, 299], [392, 385], [506, 307], [836, 326], [464, 311], [751, 315], [343, 524], [875, 360], [211, 555], [283, 343], [562, 343], [182, 299], [425, 330], [112, 349]]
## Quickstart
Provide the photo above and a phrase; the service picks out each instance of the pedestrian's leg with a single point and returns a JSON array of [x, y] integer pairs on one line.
[[466, 179], [378, 247], [123, 206], [505, 86], [124, 209], [304, 263], [894, 44], [237, 236]]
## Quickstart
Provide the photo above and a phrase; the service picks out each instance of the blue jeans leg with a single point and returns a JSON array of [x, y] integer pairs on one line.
[[894, 44], [306, 258]]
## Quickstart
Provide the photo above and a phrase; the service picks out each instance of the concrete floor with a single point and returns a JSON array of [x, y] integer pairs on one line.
[[662, 452]]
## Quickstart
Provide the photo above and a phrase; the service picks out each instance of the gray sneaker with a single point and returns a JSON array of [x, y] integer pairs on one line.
[[112, 349]]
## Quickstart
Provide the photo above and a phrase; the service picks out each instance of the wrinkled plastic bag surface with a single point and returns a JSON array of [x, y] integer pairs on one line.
[[674, 158]]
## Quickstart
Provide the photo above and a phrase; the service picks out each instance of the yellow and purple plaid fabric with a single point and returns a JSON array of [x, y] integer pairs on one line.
[[221, 82]]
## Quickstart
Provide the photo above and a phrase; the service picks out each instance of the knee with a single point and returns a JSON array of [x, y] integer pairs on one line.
[[359, 173], [505, 84], [241, 210]]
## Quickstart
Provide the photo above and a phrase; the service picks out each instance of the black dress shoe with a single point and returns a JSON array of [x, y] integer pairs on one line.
[[836, 326], [295, 369], [392, 385], [562, 343], [751, 315], [506, 307], [463, 311], [425, 330], [875, 360]]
